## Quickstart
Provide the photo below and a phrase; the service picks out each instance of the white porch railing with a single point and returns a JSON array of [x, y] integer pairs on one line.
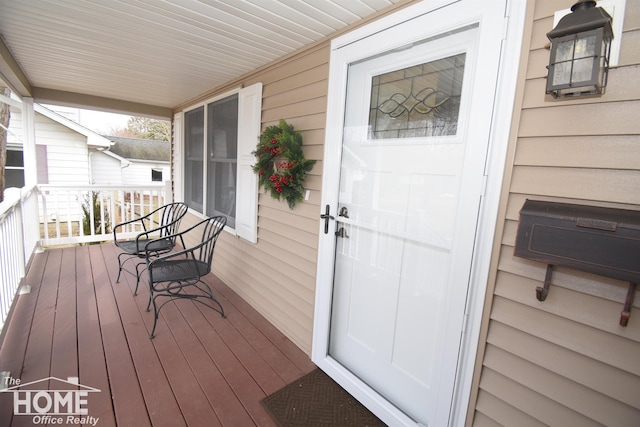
[[50, 215], [85, 214], [18, 240]]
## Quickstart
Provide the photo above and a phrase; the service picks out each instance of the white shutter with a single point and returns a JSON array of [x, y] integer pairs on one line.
[[249, 125]]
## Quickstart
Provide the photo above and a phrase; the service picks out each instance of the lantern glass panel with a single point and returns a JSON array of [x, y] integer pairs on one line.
[[562, 67], [574, 60], [582, 71], [564, 51], [585, 46]]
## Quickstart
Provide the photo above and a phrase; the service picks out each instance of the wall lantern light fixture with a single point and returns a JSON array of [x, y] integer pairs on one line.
[[580, 49]]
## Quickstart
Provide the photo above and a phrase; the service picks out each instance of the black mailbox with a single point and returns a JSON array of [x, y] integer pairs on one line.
[[598, 240]]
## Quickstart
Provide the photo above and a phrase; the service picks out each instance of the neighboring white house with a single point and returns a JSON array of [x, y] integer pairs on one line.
[[68, 153], [149, 160], [65, 150]]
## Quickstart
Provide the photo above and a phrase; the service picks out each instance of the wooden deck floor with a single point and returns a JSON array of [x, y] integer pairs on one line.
[[199, 370]]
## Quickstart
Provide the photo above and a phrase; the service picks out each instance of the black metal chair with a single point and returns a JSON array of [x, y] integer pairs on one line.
[[179, 274], [159, 227]]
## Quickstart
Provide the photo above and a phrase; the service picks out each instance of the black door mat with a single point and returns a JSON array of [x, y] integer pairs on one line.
[[315, 400]]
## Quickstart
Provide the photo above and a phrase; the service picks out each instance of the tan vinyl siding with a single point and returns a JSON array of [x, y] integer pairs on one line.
[[277, 275], [564, 361]]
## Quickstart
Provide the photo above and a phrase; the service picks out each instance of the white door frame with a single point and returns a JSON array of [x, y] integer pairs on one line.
[[499, 138]]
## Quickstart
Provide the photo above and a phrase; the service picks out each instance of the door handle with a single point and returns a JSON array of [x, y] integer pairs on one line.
[[326, 218]]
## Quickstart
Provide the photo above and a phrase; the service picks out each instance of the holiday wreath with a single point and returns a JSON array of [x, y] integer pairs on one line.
[[281, 166]]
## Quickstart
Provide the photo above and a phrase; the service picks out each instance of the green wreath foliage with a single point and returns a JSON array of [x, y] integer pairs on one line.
[[281, 165]]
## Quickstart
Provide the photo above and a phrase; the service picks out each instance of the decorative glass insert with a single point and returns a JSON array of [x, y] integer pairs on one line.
[[419, 101]]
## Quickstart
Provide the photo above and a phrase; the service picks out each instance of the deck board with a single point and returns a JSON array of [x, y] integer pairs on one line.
[[156, 391], [239, 380], [129, 406], [224, 402], [92, 366], [37, 358], [265, 337], [200, 369], [64, 354], [13, 354]]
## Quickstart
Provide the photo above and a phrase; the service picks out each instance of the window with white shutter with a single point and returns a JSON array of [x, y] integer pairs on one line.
[[219, 137]]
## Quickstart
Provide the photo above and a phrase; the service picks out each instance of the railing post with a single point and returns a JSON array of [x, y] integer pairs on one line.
[[30, 223], [112, 209], [45, 217], [20, 233], [33, 223], [168, 194], [103, 229], [18, 237]]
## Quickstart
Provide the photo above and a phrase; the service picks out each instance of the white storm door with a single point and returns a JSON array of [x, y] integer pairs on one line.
[[412, 172]]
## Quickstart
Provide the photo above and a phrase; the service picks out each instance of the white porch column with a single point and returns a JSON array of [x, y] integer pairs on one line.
[[29, 142], [31, 222]]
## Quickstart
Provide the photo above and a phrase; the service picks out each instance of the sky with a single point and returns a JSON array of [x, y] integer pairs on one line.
[[102, 123], [97, 121]]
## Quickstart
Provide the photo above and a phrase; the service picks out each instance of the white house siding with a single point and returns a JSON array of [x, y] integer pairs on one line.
[[565, 361], [67, 151], [139, 172], [68, 163], [105, 170], [67, 159]]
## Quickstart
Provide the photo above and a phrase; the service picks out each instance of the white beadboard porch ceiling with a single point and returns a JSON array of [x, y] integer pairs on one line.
[[132, 54]]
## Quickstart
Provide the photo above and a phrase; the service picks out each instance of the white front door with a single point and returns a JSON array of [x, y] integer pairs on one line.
[[417, 102], [410, 187]]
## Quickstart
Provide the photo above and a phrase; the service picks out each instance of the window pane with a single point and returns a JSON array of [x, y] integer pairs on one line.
[[14, 158], [193, 159], [418, 101], [222, 125], [14, 172], [222, 148], [156, 175], [14, 178], [221, 196]]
